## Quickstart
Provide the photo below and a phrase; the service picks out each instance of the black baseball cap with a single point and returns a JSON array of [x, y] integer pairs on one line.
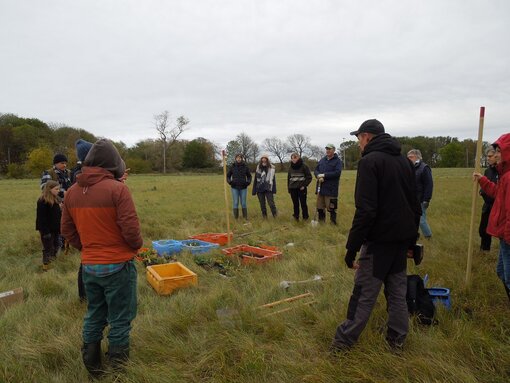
[[369, 126]]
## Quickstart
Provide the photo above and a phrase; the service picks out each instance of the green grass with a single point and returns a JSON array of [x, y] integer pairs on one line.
[[179, 338]]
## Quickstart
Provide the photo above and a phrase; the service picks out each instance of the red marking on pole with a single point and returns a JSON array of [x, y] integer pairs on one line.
[[223, 153], [482, 111]]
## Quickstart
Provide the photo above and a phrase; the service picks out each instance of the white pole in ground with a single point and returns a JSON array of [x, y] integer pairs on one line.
[[475, 197], [226, 194]]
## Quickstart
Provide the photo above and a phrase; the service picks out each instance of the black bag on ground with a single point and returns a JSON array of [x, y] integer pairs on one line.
[[419, 302]]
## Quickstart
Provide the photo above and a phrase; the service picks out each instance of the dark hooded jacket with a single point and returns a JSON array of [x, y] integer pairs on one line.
[[99, 215], [239, 176], [387, 209], [499, 219]]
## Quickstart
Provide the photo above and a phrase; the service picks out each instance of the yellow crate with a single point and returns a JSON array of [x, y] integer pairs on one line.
[[167, 277]]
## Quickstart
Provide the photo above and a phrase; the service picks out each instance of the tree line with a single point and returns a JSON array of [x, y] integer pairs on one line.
[[27, 146]]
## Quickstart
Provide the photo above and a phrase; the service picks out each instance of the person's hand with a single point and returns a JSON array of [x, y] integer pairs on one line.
[[425, 204], [350, 256], [477, 176], [320, 175], [47, 236], [302, 188]]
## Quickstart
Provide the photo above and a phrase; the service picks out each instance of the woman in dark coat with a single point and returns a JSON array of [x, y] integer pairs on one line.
[[239, 177], [298, 178], [264, 185]]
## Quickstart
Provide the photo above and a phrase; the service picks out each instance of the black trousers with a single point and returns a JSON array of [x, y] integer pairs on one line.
[[299, 197], [50, 247], [486, 239]]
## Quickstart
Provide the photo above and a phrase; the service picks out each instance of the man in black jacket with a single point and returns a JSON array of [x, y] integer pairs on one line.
[[385, 225]]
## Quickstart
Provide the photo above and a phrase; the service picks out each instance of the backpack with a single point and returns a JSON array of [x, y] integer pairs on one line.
[[419, 302]]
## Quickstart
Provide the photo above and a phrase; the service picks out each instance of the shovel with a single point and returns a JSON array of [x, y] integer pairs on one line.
[[314, 222]]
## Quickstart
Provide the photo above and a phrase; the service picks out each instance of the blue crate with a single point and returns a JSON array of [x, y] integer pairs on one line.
[[167, 246], [203, 247], [440, 295]]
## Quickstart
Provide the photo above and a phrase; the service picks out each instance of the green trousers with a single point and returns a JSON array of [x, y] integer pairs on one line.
[[111, 300]]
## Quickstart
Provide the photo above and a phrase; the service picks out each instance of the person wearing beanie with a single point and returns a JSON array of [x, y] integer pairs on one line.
[[99, 219], [239, 178], [328, 173], [264, 185], [59, 173], [82, 149]]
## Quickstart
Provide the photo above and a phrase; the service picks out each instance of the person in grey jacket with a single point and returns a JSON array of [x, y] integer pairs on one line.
[[264, 185]]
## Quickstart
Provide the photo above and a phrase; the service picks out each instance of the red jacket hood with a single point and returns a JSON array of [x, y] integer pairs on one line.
[[503, 143], [91, 175]]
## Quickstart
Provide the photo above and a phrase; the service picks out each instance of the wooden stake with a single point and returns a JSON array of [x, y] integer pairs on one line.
[[474, 197], [291, 299], [226, 195]]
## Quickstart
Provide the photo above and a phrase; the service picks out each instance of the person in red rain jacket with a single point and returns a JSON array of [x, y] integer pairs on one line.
[[499, 219]]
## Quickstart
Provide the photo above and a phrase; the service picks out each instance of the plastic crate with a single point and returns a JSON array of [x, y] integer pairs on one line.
[[196, 246], [440, 295], [166, 246], [167, 277], [219, 238], [252, 254]]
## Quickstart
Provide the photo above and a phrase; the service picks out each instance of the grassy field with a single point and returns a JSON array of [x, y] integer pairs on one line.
[[179, 338]]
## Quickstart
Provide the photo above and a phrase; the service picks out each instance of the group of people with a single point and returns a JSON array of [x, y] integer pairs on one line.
[[299, 177], [93, 210]]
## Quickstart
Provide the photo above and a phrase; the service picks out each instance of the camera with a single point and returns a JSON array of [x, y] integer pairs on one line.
[[416, 253]]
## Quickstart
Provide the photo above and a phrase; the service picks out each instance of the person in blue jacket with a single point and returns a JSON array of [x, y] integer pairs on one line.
[[328, 173]]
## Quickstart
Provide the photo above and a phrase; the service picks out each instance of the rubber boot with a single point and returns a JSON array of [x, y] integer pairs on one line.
[[507, 290], [91, 354], [245, 213], [236, 213], [332, 216], [118, 356], [322, 215]]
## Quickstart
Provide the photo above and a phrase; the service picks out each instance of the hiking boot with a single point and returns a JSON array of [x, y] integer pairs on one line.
[[118, 356], [91, 354]]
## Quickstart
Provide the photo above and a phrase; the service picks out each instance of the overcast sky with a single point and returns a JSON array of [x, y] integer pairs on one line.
[[266, 68]]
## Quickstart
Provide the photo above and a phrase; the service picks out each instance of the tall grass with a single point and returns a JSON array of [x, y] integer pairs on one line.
[[179, 338]]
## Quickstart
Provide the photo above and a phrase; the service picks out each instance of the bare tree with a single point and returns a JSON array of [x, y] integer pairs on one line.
[[276, 147], [315, 152], [248, 147], [299, 143], [169, 135]]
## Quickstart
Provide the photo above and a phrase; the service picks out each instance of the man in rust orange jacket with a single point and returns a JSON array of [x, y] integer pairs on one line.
[[99, 219]]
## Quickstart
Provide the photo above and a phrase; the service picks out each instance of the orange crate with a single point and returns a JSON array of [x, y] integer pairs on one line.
[[219, 238], [252, 254], [167, 277]]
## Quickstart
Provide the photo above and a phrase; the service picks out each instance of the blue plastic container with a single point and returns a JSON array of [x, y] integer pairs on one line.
[[166, 247], [440, 295], [196, 246]]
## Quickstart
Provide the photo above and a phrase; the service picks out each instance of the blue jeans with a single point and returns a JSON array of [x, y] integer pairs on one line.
[[239, 194], [503, 268], [424, 226]]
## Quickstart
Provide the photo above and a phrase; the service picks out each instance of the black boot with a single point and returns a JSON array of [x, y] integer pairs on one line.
[[245, 213], [507, 290], [118, 356], [322, 215], [236, 213], [91, 354], [332, 215]]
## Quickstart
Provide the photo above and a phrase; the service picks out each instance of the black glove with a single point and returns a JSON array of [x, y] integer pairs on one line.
[[350, 256], [46, 236], [425, 204]]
